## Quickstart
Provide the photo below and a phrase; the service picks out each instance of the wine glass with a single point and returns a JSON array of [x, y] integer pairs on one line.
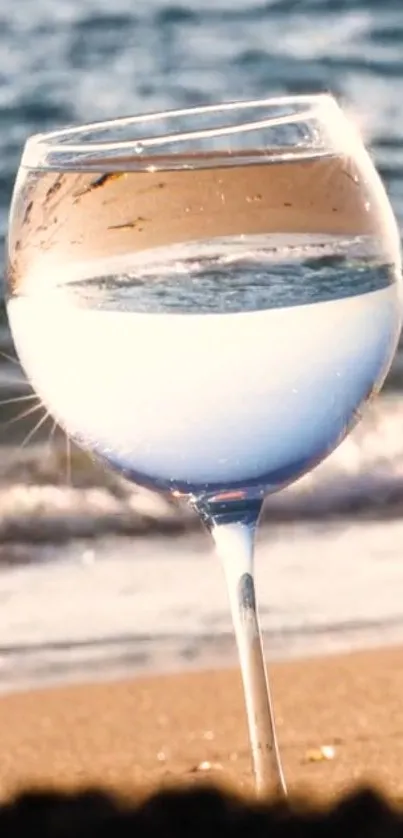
[[205, 299]]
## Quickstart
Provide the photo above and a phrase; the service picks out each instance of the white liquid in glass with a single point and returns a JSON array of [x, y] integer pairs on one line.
[[212, 366]]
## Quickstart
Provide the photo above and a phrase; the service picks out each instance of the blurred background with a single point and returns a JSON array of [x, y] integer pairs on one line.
[[330, 557]]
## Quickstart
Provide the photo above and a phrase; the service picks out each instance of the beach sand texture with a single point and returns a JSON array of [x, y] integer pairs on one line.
[[138, 735]]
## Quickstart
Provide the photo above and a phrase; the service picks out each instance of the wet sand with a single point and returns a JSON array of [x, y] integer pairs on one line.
[[144, 733]]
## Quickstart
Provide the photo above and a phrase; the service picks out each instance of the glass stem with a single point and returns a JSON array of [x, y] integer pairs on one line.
[[235, 547]]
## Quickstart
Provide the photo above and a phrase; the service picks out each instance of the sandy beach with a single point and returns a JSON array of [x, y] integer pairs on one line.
[[140, 734]]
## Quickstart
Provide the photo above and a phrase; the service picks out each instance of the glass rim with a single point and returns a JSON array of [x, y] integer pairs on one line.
[[72, 139]]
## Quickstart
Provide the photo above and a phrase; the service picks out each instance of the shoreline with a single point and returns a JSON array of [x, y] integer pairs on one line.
[[140, 734], [166, 663]]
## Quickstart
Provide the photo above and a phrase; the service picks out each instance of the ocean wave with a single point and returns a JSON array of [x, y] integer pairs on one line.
[[37, 506], [363, 477]]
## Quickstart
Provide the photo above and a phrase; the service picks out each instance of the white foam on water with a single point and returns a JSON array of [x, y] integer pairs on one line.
[[123, 607]]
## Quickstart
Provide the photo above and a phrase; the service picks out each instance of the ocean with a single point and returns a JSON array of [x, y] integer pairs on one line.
[[98, 577]]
